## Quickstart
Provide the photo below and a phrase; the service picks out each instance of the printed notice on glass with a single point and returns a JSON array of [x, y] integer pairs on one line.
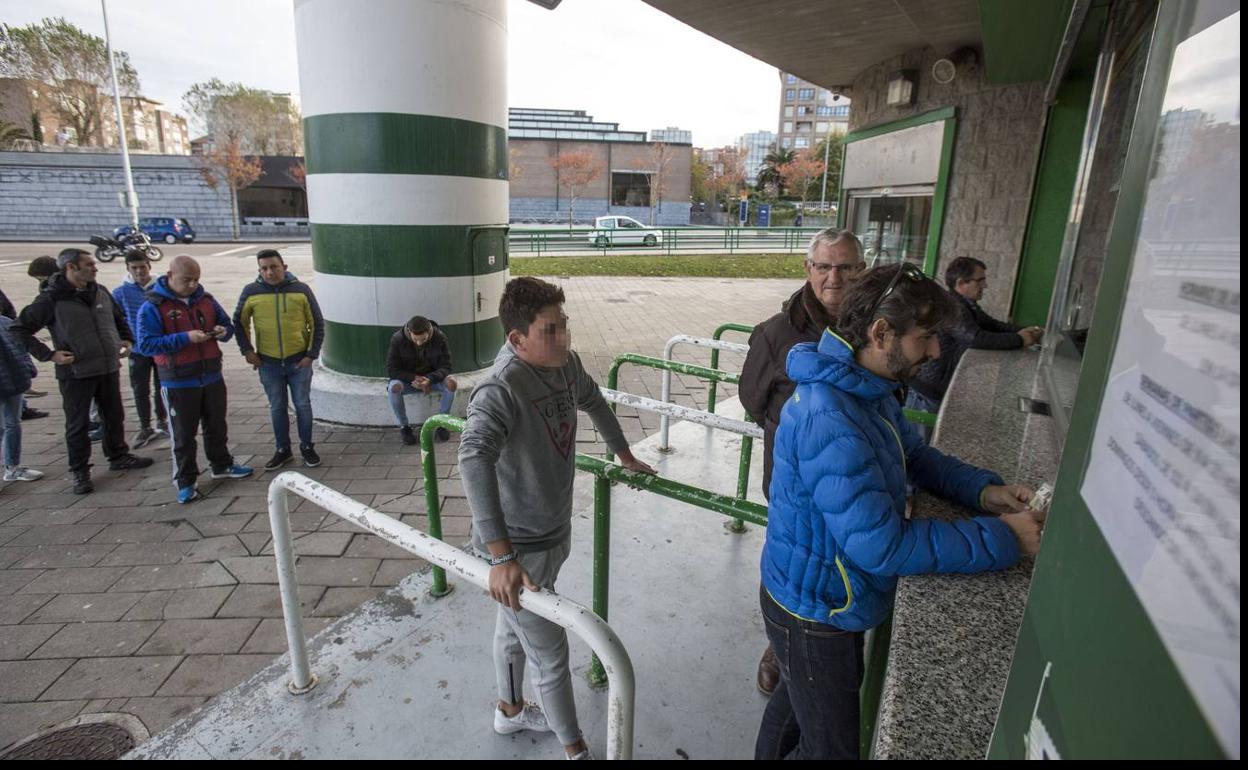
[[1163, 477]]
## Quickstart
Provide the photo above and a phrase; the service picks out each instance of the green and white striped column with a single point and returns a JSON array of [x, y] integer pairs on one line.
[[405, 115]]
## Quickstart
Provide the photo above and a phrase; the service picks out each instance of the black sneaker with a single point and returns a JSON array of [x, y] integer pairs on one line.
[[82, 482], [129, 462], [279, 458], [97, 431], [31, 413], [441, 434], [409, 436], [310, 458]]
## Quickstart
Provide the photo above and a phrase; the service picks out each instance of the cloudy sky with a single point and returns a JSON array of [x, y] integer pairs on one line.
[[659, 71]]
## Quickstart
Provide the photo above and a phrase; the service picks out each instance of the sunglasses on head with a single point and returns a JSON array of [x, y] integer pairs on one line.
[[910, 270]]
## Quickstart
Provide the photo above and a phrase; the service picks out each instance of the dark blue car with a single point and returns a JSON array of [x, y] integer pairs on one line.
[[167, 229]]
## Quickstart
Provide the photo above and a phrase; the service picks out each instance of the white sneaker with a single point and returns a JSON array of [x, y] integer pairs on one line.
[[586, 754], [21, 473], [528, 718]]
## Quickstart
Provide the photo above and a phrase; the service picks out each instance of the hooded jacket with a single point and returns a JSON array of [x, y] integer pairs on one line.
[[286, 318], [165, 324], [405, 361], [86, 322], [837, 534]]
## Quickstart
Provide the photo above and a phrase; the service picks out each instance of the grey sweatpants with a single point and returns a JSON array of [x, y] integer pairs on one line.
[[521, 637]]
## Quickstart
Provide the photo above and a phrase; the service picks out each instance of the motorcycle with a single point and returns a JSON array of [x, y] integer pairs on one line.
[[108, 249]]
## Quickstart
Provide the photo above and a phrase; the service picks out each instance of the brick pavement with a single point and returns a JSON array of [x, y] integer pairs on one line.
[[123, 600]]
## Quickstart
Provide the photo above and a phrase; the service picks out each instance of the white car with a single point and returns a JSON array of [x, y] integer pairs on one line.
[[618, 231]]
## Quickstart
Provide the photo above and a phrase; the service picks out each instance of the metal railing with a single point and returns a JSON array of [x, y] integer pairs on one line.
[[607, 647], [605, 473], [693, 370], [715, 345], [718, 334], [548, 241]]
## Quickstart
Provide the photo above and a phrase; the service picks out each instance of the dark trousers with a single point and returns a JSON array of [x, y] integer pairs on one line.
[[76, 397], [188, 407], [813, 714], [142, 375]]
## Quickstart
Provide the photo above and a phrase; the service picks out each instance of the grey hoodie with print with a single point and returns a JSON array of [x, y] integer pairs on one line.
[[517, 455]]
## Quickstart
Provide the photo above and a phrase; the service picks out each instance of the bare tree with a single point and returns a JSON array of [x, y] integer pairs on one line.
[[73, 65], [261, 122], [656, 165], [574, 171], [225, 164]]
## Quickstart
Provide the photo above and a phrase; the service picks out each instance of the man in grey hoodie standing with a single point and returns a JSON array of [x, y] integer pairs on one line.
[[517, 459]]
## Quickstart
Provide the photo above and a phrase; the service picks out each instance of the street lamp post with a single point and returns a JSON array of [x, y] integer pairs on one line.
[[132, 200]]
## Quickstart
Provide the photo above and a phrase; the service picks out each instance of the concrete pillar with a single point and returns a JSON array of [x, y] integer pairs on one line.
[[405, 128]]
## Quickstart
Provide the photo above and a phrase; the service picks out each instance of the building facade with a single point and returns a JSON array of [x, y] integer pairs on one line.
[[754, 148], [648, 180], [808, 113]]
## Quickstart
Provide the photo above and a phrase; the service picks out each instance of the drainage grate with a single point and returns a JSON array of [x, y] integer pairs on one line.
[[85, 741]]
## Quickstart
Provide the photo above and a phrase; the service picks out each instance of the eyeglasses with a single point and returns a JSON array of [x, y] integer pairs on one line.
[[849, 271], [910, 271]]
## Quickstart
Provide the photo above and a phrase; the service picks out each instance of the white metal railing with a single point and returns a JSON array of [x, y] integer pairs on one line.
[[667, 409], [702, 342], [621, 693]]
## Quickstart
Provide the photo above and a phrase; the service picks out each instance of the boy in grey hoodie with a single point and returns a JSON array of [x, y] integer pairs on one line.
[[517, 460]]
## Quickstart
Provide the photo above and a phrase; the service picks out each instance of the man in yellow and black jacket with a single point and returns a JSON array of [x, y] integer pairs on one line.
[[280, 329]]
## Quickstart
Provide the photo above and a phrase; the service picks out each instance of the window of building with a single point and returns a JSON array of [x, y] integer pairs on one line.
[[821, 127], [803, 125], [805, 94], [804, 111], [790, 78], [824, 110], [788, 127], [801, 142], [786, 142], [628, 189], [789, 94], [788, 111]]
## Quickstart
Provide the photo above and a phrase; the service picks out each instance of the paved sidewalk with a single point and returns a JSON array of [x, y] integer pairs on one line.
[[124, 601]]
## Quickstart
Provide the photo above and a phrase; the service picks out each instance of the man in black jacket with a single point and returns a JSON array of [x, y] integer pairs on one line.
[[91, 335], [833, 261], [419, 361], [966, 278]]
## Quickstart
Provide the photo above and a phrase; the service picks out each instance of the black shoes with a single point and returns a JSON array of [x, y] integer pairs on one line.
[[279, 458], [441, 434], [409, 436], [129, 462], [82, 482], [310, 458], [31, 413]]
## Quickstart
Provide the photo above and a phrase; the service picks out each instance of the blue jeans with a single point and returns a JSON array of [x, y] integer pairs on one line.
[[813, 714], [916, 400], [400, 407], [11, 429], [277, 377]]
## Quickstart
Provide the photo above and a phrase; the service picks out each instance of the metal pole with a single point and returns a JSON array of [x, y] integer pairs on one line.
[[823, 192], [132, 200], [433, 501], [279, 522], [602, 565]]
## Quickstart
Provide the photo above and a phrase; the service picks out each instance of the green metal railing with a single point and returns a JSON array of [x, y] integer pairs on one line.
[[693, 370], [605, 473], [548, 241], [719, 333]]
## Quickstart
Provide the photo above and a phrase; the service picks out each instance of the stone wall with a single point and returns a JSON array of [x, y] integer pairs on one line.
[[995, 151]]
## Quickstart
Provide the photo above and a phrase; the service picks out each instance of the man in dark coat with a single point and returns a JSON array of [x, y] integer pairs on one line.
[[833, 260]]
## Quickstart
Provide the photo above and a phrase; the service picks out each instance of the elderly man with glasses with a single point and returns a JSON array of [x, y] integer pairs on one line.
[[833, 260], [837, 533]]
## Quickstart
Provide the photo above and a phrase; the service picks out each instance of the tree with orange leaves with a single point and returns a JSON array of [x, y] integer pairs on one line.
[[574, 171], [225, 164]]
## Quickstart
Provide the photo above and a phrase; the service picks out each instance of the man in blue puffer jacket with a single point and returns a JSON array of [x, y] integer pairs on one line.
[[837, 534], [132, 295]]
